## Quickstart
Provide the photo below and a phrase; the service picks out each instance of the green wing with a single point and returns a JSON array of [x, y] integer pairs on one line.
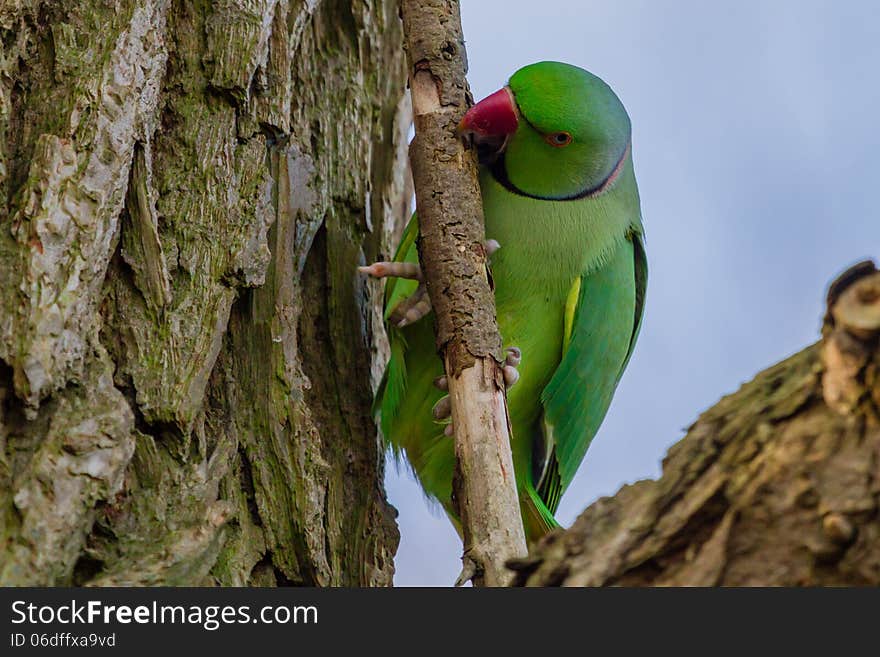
[[600, 334]]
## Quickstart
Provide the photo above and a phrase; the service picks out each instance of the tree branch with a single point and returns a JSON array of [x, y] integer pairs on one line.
[[777, 485], [454, 261]]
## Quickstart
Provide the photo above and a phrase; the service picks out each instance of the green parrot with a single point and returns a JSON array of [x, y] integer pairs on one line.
[[560, 198]]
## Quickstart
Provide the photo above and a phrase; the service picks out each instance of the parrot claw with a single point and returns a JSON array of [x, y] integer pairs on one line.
[[418, 305], [449, 431], [508, 369], [413, 308], [441, 383], [409, 270]]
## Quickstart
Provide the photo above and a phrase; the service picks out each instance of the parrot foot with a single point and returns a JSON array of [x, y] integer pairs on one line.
[[411, 270], [411, 309], [508, 369], [417, 305], [408, 270], [442, 410]]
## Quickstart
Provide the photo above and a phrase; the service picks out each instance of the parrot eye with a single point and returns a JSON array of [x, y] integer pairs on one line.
[[558, 139]]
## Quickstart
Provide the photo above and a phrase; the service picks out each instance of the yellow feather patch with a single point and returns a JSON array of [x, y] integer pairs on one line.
[[570, 307]]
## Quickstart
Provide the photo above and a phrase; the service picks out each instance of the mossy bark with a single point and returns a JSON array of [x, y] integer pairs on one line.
[[187, 356], [776, 485]]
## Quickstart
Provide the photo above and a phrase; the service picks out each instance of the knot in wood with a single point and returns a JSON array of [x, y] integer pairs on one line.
[[838, 528], [858, 308]]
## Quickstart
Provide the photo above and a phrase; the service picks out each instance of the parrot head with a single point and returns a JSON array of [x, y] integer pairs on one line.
[[555, 132]]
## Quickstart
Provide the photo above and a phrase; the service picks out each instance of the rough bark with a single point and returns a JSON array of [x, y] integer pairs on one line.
[[454, 262], [186, 352], [777, 484]]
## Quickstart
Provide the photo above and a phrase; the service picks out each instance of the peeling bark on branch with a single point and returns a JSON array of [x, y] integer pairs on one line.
[[451, 230], [185, 189], [777, 484]]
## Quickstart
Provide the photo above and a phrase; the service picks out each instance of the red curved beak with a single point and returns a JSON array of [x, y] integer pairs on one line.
[[494, 116]]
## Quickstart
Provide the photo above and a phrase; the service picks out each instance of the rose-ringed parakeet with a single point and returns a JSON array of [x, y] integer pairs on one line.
[[560, 197]]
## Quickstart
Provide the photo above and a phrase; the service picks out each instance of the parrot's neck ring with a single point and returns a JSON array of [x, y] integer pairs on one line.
[[498, 170]]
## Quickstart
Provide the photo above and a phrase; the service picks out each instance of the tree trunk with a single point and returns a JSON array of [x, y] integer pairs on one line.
[[187, 356], [777, 484]]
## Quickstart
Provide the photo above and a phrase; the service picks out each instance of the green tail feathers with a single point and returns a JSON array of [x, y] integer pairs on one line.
[[537, 518], [393, 386]]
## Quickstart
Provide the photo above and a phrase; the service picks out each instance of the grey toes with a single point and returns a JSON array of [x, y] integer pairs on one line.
[[511, 375], [413, 308], [508, 369], [442, 409]]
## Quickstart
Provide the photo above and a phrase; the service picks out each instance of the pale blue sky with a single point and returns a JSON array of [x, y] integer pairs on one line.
[[757, 152]]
